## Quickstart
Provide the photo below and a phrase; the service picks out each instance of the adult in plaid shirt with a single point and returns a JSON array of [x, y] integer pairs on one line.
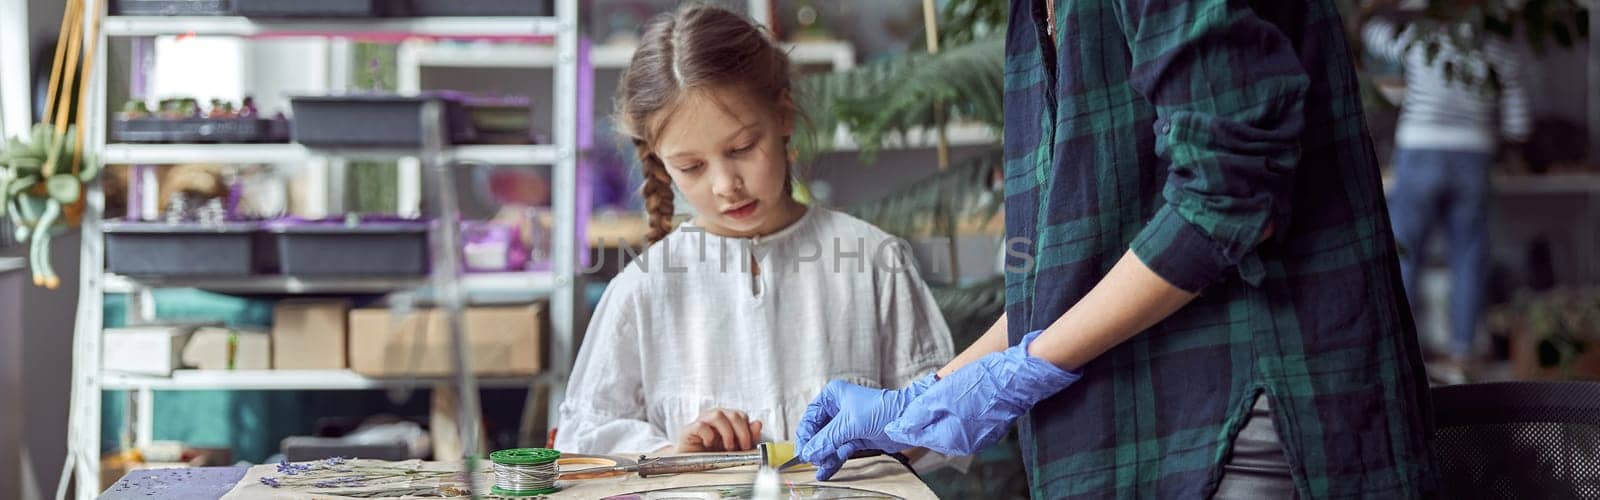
[[1204, 297]]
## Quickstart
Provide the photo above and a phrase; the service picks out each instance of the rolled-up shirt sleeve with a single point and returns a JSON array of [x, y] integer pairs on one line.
[[1229, 92]]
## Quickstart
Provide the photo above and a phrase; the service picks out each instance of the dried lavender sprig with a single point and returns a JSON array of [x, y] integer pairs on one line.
[[289, 468]]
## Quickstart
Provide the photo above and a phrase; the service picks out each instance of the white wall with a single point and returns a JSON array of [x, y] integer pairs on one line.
[[46, 320], [15, 112], [43, 321], [1557, 82], [11, 279], [231, 68]]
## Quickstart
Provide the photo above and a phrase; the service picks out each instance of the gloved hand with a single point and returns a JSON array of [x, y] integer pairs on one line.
[[975, 406], [848, 417]]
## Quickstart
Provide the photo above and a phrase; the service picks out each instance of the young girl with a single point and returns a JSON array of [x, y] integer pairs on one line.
[[719, 334]]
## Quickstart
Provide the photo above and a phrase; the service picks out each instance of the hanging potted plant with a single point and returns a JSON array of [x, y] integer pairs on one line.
[[40, 197], [42, 176], [1554, 334]]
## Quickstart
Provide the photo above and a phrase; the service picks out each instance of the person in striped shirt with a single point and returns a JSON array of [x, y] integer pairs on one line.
[[1450, 128]]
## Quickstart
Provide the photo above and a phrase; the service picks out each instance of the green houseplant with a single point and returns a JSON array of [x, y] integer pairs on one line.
[[1540, 22], [41, 190], [919, 91], [42, 175], [1554, 334]]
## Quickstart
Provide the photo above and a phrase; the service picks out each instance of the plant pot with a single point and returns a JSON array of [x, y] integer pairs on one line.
[[1525, 360], [199, 130], [333, 248], [184, 249], [308, 8], [481, 8], [171, 8], [378, 120]]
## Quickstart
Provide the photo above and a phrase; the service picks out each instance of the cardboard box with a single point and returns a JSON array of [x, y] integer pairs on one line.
[[228, 349], [502, 341], [145, 350], [309, 334]]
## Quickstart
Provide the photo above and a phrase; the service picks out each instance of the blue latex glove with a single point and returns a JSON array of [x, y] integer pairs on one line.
[[975, 406], [848, 417]]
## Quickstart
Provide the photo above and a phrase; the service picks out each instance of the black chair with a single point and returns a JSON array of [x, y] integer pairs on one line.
[[1522, 440]]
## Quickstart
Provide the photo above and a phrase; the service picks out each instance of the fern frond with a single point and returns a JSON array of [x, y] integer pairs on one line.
[[964, 190], [897, 95]]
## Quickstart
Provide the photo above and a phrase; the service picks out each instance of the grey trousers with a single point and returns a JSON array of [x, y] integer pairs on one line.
[[1258, 467]]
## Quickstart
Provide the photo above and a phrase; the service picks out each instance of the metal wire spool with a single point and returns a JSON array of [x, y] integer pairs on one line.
[[524, 472]]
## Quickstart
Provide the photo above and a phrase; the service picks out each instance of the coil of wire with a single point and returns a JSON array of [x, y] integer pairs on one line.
[[523, 472]]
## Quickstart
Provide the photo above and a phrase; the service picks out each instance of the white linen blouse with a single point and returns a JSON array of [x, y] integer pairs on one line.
[[688, 327]]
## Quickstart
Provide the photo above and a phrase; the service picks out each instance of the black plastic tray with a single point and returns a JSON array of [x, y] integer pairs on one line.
[[367, 249], [184, 249], [478, 8], [172, 7], [187, 130], [372, 121], [309, 8], [309, 448]]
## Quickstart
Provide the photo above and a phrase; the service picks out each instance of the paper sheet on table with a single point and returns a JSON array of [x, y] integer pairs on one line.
[[878, 474]]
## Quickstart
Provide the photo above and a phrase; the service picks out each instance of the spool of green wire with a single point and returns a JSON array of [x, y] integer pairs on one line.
[[525, 472]]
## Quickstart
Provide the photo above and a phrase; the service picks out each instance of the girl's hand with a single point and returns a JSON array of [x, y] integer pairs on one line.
[[720, 430]]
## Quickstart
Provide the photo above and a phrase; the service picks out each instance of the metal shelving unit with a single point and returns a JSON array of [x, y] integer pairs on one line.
[[958, 134], [1547, 184], [149, 154], [281, 380], [559, 284], [839, 55], [530, 284], [457, 27]]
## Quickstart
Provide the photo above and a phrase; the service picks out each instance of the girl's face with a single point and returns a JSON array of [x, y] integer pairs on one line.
[[725, 152]]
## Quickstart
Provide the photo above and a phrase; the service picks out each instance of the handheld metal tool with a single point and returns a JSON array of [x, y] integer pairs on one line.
[[765, 454], [661, 466]]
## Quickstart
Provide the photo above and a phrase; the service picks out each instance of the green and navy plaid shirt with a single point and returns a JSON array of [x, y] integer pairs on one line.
[[1189, 131]]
